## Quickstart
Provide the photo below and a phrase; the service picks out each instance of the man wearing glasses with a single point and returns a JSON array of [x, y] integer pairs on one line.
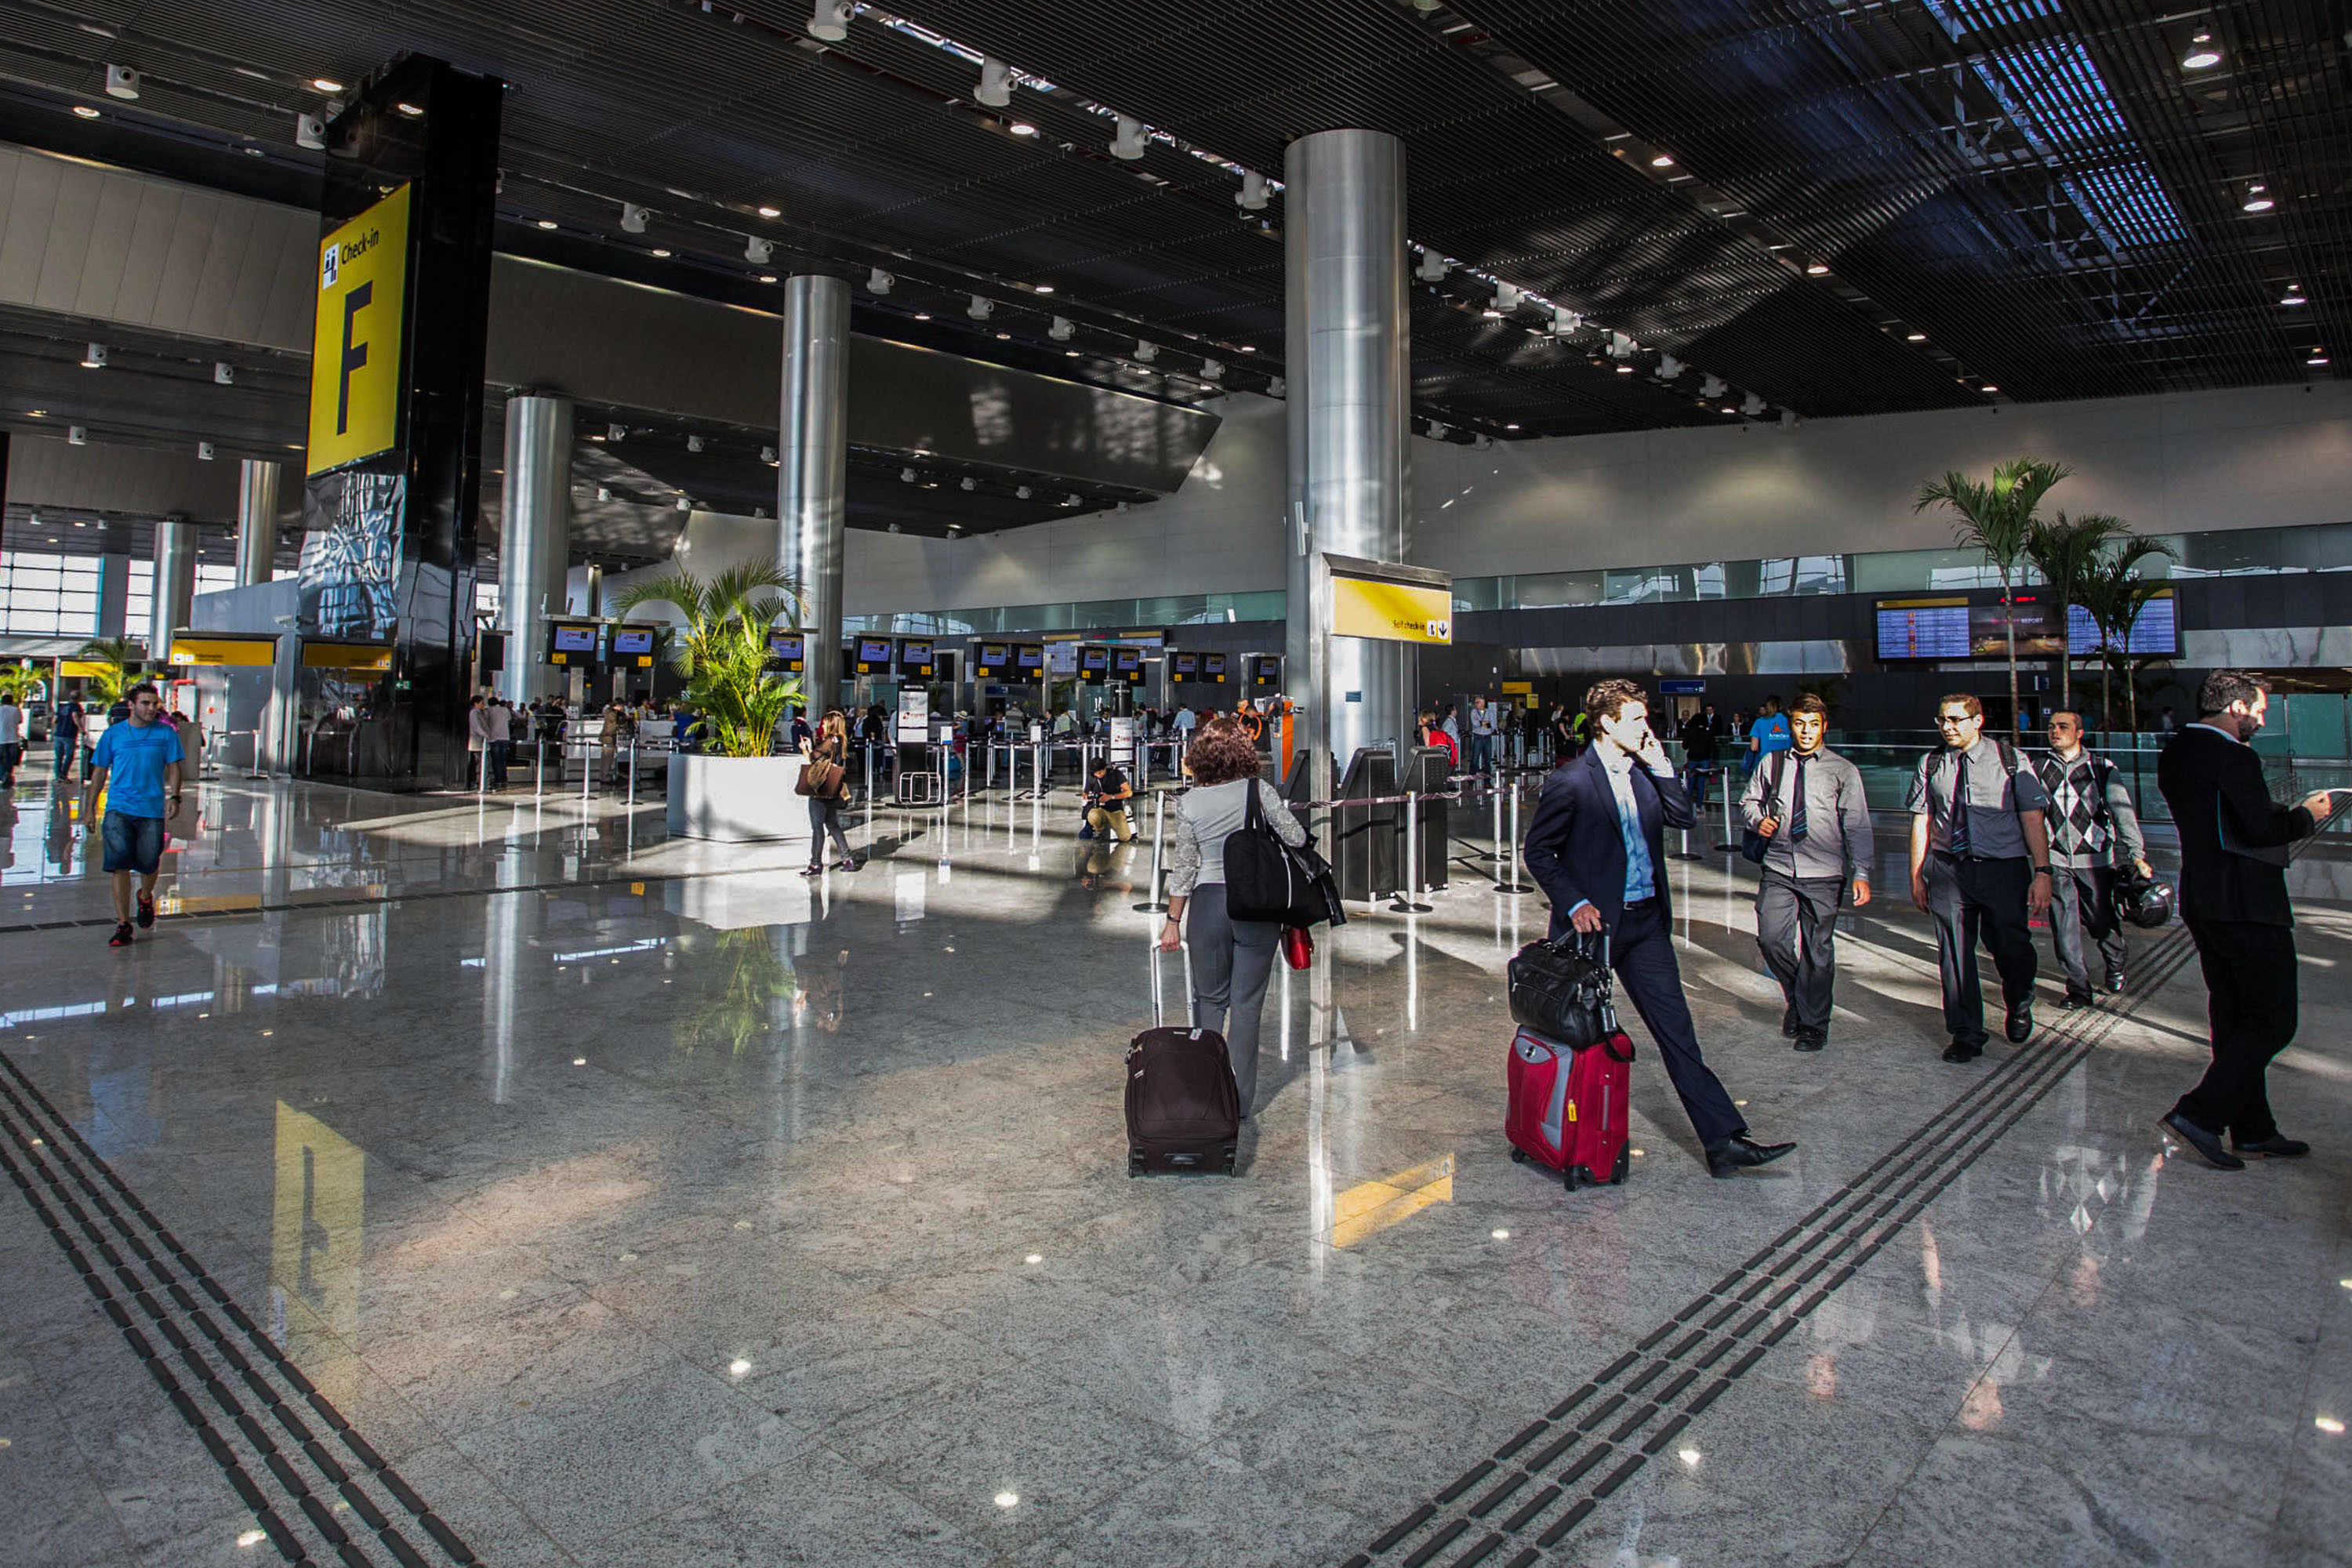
[[1979, 865]]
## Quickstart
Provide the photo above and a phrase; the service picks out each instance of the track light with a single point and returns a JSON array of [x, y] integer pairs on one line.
[[771, 212], [980, 307], [2256, 202], [1482, 443], [1670, 367], [1621, 347], [77, 435], [1815, 269], [955, 530], [1275, 386], [224, 373], [1128, 144], [878, 281], [1252, 196], [1663, 160], [694, 443], [830, 20], [1752, 405], [1433, 268], [604, 493], [310, 132], [1508, 298], [1711, 387], [1024, 493], [1063, 329], [1436, 431], [2203, 55], [1073, 499], [758, 251], [2293, 296], [633, 218], [615, 433], [968, 483], [1563, 322], [1788, 419], [203, 451], [1212, 369], [121, 82], [95, 358], [767, 455], [1146, 352], [683, 504], [995, 84], [905, 476]]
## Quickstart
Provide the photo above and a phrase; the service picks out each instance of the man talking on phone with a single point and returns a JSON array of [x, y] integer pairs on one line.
[[1597, 848]]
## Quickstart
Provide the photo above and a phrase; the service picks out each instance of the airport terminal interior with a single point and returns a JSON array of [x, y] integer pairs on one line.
[[489, 1073]]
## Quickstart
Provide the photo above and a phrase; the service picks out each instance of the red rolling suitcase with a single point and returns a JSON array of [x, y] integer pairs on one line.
[[1567, 1108]]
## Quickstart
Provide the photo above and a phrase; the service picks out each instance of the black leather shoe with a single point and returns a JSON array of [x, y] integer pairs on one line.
[[1789, 1022], [1957, 1052], [2073, 1003], [1807, 1040], [2020, 1027], [1728, 1160], [2276, 1147], [2115, 981], [2207, 1145]]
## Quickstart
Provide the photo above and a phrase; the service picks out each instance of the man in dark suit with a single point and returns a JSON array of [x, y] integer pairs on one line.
[[1598, 849], [2233, 853]]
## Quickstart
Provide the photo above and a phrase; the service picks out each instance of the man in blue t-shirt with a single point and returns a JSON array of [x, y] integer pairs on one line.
[[137, 768], [1768, 734]]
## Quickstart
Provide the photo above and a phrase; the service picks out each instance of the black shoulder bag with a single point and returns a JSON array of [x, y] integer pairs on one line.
[[1267, 880]]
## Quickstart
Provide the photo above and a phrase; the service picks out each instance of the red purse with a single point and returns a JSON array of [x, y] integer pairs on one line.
[[1297, 946]]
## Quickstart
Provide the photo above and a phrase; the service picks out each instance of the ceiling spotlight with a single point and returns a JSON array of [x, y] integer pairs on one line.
[[830, 20], [1815, 269], [694, 443], [1670, 367], [995, 84], [1275, 386], [1493, 312], [660, 252], [2202, 54], [1436, 431], [1914, 337], [633, 218], [1788, 419], [1621, 347], [1663, 160], [1252, 196], [326, 84], [77, 435], [1508, 298], [1433, 268], [1021, 128], [1711, 387], [980, 307], [758, 251], [2256, 202], [1146, 352], [1063, 329], [767, 277], [1004, 337], [414, 111], [1128, 145], [771, 212], [1510, 426], [203, 451], [1024, 491], [310, 132], [2316, 359], [95, 357], [955, 530], [1727, 408], [1563, 322], [905, 476], [1752, 405], [2293, 296], [1988, 387], [683, 504], [1212, 369], [767, 455], [85, 111], [894, 528], [604, 493], [547, 223], [122, 82], [922, 315], [878, 281], [1624, 370], [1073, 499], [968, 483], [616, 432], [224, 373]]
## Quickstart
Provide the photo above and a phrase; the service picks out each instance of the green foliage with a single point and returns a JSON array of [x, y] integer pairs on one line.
[[2063, 552], [1829, 688], [1998, 517], [109, 686], [18, 681], [2113, 592], [740, 990], [722, 650]]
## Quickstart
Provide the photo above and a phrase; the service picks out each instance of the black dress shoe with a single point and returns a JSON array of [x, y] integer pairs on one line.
[[2073, 1003], [1789, 1022], [2020, 1027], [1728, 1159], [2207, 1145], [1960, 1051], [2276, 1147], [1810, 1040], [2115, 981]]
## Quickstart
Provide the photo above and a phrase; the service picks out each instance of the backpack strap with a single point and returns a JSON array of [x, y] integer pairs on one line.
[[1776, 771]]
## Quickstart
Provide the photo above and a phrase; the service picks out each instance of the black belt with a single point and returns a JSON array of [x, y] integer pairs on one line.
[[1976, 859]]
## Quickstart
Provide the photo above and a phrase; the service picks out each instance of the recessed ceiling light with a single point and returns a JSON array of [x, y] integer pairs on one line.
[[410, 110], [1990, 387], [1022, 127], [2202, 53], [659, 251], [767, 277], [85, 111], [2258, 204], [2316, 359], [1004, 337], [1727, 408], [547, 223], [326, 84], [1510, 426], [1914, 337], [2293, 296], [771, 212], [1663, 160], [922, 315], [1624, 370], [1249, 348], [1491, 313], [1041, 288], [1069, 353], [1815, 269]]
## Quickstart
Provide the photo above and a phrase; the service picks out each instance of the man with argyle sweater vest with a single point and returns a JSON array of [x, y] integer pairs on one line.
[[2091, 818]]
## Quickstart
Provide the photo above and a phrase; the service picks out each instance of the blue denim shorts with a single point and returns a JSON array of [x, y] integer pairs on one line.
[[132, 842]]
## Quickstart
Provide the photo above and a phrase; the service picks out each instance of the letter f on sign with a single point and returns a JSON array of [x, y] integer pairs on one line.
[[354, 355]]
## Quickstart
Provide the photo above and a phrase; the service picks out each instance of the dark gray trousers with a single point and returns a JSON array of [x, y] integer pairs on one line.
[[1796, 927], [1232, 961], [1969, 898], [2082, 904]]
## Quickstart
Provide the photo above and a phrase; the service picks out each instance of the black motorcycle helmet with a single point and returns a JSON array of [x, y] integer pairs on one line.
[[2144, 901]]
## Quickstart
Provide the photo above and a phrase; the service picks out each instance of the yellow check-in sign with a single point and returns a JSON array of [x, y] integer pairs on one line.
[[1393, 612], [356, 337]]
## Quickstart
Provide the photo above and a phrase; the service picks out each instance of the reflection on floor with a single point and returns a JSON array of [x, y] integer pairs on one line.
[[445, 1179]]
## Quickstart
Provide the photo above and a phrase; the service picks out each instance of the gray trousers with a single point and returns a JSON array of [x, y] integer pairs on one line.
[[1232, 961], [1796, 927], [2082, 904], [1969, 899]]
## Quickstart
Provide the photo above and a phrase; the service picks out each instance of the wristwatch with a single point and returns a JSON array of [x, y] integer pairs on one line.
[[2042, 870]]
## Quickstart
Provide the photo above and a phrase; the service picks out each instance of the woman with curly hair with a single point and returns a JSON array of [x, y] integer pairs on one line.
[[1231, 958]]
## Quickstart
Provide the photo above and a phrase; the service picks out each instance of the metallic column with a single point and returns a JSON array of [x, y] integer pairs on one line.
[[1346, 354], [114, 596], [174, 585], [256, 522], [812, 477], [535, 539]]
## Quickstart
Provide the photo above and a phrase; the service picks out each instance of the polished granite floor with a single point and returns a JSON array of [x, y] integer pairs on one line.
[[448, 1180]]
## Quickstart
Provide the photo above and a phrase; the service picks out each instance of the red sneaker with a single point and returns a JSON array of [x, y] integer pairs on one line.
[[146, 911], [121, 937]]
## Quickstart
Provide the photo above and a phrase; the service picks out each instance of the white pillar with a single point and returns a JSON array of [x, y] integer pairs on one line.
[[812, 475], [256, 522]]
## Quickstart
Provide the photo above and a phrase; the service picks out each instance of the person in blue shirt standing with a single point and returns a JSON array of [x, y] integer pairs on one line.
[[137, 768], [1768, 734]]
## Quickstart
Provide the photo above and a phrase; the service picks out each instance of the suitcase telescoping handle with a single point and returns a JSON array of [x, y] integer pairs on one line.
[[1158, 1019]]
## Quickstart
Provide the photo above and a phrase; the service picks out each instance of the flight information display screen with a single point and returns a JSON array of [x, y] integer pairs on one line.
[[1923, 628], [1213, 666], [1185, 666], [633, 640], [1033, 660], [913, 654], [1096, 658], [2157, 630], [873, 650], [787, 646], [574, 639]]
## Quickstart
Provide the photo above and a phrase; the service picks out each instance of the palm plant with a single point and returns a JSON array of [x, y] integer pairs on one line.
[[18, 681], [115, 653], [722, 650], [1998, 517], [2063, 552], [2113, 592]]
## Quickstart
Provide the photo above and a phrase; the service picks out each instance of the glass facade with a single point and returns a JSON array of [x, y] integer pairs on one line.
[[48, 596], [1078, 614]]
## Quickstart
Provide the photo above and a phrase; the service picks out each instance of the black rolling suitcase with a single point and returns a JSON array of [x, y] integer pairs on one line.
[[1183, 1111]]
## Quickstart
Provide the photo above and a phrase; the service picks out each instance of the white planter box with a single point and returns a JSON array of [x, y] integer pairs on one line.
[[735, 800]]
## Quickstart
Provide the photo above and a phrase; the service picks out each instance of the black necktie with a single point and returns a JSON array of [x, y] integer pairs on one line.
[[1797, 815], [1960, 806]]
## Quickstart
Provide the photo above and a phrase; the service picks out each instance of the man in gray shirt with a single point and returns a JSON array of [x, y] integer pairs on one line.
[[1979, 864], [1481, 735], [1808, 803], [2090, 819]]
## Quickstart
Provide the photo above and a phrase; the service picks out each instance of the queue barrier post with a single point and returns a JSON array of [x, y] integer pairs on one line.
[[1156, 902], [1409, 902], [1518, 883]]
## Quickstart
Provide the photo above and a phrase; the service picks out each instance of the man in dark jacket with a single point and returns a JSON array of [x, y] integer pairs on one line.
[[1598, 849], [2234, 852]]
